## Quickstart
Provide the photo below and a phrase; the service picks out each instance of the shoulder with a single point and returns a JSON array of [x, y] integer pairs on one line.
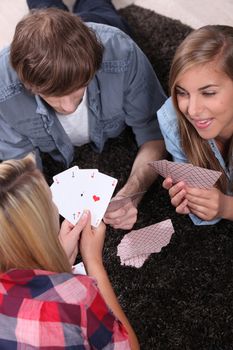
[[52, 286], [119, 48], [169, 126], [9, 80], [167, 116], [4, 56], [167, 112], [74, 289], [109, 35], [5, 66]]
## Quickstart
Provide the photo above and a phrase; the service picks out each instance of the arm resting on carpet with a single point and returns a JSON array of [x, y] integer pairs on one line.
[[140, 179]]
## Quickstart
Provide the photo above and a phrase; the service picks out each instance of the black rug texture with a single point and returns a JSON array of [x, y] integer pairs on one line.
[[182, 297]]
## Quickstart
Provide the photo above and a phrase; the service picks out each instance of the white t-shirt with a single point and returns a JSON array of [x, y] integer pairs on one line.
[[76, 123]]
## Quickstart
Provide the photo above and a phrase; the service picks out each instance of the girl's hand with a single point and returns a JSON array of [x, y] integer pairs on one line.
[[207, 204], [69, 236], [177, 194], [91, 244]]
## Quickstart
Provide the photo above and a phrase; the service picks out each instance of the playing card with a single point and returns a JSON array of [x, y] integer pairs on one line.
[[69, 199], [76, 190], [99, 195], [88, 173], [79, 269], [193, 176], [137, 245], [66, 175], [71, 174], [70, 193], [118, 202], [136, 261], [161, 167]]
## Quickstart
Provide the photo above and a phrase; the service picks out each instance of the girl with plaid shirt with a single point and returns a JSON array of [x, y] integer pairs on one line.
[[42, 304]]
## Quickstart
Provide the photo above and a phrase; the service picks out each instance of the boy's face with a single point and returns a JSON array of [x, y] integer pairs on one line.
[[66, 104]]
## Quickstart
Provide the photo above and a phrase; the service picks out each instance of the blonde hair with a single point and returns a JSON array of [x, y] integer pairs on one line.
[[28, 223], [212, 43]]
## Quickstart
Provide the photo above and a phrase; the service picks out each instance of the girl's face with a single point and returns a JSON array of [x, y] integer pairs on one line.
[[205, 97]]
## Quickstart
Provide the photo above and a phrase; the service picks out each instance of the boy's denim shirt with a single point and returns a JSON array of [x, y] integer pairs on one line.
[[169, 127], [125, 91]]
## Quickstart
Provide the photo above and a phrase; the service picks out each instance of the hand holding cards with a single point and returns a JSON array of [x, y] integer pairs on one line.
[[193, 176], [75, 190]]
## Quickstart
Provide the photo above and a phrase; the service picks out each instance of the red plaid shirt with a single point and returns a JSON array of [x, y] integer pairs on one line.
[[46, 310]]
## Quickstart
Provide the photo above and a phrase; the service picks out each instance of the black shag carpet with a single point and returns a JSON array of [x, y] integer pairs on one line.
[[182, 297]]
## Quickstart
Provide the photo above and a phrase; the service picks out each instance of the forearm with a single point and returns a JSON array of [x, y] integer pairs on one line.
[[98, 271], [142, 175]]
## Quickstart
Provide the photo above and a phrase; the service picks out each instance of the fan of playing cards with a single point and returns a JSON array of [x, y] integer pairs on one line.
[[193, 176], [75, 190]]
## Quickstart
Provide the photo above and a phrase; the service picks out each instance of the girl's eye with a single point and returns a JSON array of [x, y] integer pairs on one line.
[[209, 93], [181, 92]]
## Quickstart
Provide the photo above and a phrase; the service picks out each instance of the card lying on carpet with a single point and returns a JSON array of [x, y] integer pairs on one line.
[[75, 190], [79, 269], [193, 176], [137, 245]]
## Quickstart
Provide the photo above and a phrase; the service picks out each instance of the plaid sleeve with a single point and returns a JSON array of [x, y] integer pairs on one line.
[[103, 329]]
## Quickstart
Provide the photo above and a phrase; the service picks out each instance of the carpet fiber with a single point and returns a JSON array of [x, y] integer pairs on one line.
[[182, 297]]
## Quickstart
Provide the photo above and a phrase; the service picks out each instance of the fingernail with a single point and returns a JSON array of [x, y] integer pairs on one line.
[[85, 214]]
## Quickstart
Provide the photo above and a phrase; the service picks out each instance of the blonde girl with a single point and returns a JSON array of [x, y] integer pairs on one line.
[[42, 304], [197, 121]]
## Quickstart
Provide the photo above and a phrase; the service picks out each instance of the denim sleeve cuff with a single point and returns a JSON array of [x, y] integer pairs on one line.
[[149, 133], [197, 221]]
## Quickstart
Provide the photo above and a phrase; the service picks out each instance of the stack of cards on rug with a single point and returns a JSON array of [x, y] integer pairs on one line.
[[75, 190], [193, 176], [137, 245]]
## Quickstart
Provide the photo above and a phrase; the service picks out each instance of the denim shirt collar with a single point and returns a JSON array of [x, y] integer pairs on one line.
[[93, 96], [41, 108]]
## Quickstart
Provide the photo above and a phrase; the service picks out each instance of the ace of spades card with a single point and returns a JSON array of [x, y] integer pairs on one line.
[[75, 190]]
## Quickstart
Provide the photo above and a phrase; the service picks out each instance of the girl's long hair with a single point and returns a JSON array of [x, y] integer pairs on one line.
[[212, 43], [29, 223]]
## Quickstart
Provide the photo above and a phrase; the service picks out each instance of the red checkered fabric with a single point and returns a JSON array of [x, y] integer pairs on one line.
[[46, 310]]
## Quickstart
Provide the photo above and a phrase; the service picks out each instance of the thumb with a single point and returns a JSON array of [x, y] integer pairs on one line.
[[80, 226], [87, 226]]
